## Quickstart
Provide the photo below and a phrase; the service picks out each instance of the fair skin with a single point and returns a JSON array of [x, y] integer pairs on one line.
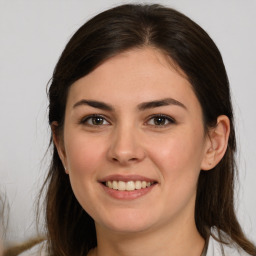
[[135, 120]]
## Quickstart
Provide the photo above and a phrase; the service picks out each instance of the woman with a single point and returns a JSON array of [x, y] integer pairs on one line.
[[144, 141]]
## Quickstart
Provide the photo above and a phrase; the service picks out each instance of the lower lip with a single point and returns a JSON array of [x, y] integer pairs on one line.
[[127, 195]]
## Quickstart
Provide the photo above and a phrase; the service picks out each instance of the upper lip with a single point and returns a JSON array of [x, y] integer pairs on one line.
[[125, 178]]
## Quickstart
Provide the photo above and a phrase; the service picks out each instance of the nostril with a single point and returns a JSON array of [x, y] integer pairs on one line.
[[124, 160]]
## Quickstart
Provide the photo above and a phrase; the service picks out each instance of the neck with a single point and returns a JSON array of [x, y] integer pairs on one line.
[[176, 240]]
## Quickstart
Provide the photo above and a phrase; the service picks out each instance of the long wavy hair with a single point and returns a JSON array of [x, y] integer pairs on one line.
[[70, 230]]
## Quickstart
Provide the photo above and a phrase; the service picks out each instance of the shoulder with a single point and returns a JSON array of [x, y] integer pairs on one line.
[[216, 248], [37, 250]]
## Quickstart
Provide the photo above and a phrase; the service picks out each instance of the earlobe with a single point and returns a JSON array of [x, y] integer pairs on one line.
[[217, 143], [58, 142]]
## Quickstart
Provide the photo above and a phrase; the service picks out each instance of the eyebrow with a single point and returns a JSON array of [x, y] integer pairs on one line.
[[141, 106], [160, 103], [94, 104]]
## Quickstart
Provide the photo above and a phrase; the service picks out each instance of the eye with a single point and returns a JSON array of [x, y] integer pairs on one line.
[[94, 120], [160, 120]]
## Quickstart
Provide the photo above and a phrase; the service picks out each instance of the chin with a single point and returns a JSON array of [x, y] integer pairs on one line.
[[125, 222]]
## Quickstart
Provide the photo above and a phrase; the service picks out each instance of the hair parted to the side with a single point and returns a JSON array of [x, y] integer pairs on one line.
[[71, 230]]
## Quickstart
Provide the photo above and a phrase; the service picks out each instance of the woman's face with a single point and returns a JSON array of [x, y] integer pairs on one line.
[[134, 143]]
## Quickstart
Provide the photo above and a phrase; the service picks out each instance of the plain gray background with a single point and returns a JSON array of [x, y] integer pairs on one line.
[[32, 36]]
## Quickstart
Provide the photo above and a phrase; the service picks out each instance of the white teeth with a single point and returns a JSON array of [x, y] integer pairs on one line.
[[128, 186], [109, 184], [143, 184], [138, 184], [121, 185], [114, 185]]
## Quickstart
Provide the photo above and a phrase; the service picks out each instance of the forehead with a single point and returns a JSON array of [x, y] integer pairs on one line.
[[134, 76], [140, 62]]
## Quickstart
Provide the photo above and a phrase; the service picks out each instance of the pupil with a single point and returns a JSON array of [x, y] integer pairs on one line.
[[159, 121], [97, 120]]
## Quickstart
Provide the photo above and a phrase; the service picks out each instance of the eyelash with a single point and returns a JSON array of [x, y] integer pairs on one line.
[[86, 119], [169, 119], [164, 118]]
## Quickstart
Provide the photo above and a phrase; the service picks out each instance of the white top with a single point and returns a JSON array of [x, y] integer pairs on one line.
[[37, 250], [215, 248]]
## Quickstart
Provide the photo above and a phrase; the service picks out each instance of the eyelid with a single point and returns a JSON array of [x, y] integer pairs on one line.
[[86, 118], [170, 119]]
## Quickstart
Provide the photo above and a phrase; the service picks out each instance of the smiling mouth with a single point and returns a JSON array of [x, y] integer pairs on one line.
[[129, 185]]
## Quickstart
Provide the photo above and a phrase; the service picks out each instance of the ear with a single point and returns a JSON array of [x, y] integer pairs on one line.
[[216, 144], [59, 144]]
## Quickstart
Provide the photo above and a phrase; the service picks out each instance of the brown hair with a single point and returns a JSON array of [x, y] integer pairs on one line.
[[71, 230]]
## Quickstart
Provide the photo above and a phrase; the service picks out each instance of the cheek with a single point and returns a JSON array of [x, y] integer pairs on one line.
[[178, 154], [84, 159], [83, 155]]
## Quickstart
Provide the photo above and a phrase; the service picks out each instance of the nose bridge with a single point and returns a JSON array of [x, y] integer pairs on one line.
[[125, 145]]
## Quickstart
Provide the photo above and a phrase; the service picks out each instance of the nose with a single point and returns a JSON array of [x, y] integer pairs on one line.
[[126, 146]]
